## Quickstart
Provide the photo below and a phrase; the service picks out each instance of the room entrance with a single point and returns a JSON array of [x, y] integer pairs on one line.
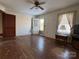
[[41, 29], [37, 26], [7, 25]]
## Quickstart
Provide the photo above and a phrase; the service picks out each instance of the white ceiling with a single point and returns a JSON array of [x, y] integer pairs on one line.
[[24, 7]]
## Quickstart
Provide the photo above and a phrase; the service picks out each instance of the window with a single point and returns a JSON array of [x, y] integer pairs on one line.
[[65, 22]]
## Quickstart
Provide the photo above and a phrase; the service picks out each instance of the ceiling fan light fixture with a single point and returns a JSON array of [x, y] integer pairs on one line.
[[37, 5]]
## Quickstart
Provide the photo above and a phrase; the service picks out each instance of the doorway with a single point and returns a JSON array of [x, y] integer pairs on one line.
[[37, 26], [41, 29], [8, 22]]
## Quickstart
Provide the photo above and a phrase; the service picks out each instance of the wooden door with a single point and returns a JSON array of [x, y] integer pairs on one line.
[[8, 25]]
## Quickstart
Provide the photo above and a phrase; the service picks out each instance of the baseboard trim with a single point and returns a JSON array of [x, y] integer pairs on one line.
[[27, 35], [35, 35], [48, 37]]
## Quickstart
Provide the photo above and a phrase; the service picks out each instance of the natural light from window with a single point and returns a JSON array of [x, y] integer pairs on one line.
[[65, 23]]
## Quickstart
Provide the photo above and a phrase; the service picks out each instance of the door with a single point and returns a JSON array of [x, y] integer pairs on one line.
[[8, 25], [1, 30]]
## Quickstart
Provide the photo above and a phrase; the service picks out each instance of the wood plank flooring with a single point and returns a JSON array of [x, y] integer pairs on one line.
[[35, 47]]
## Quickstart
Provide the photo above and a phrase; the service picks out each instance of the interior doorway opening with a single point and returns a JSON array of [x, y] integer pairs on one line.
[[37, 26], [41, 29]]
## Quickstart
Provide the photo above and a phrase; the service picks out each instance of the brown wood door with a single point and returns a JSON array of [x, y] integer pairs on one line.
[[8, 25]]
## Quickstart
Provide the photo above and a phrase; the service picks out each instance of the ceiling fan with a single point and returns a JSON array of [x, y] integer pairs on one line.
[[37, 4]]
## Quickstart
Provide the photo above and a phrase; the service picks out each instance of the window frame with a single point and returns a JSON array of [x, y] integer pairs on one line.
[[74, 17]]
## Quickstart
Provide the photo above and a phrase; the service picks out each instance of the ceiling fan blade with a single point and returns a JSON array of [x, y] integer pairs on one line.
[[42, 3], [32, 7], [41, 8]]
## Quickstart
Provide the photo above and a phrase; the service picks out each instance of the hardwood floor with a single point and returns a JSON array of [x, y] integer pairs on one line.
[[35, 47]]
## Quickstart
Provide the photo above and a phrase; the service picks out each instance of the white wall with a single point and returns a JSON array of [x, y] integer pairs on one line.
[[2, 7], [50, 25], [51, 20], [23, 25], [1, 24]]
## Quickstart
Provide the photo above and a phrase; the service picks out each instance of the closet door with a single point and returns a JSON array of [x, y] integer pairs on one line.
[[8, 25]]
